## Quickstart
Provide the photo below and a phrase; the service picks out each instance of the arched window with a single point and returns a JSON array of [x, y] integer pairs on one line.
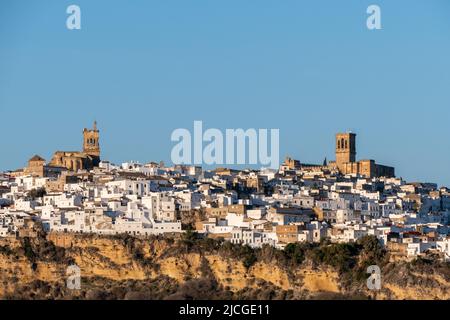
[[346, 146], [339, 144], [342, 142]]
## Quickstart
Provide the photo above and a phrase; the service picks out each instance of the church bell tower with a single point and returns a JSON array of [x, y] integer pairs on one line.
[[345, 148], [91, 145]]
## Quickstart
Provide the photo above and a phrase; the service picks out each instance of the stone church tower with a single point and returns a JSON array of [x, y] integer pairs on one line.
[[345, 149], [85, 160], [345, 163], [346, 159], [91, 145]]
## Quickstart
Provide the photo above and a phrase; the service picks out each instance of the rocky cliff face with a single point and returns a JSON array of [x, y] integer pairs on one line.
[[128, 268]]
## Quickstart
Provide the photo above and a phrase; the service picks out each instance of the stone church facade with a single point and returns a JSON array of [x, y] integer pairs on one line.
[[346, 159], [346, 162], [80, 160], [37, 168]]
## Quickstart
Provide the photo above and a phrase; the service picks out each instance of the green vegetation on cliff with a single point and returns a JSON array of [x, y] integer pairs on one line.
[[124, 267]]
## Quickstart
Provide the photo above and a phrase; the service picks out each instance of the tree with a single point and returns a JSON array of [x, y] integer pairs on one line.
[[37, 193]]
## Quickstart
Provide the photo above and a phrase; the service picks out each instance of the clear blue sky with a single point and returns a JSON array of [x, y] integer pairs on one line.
[[309, 68]]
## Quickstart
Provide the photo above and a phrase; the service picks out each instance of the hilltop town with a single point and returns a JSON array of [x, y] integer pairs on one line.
[[340, 201]]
